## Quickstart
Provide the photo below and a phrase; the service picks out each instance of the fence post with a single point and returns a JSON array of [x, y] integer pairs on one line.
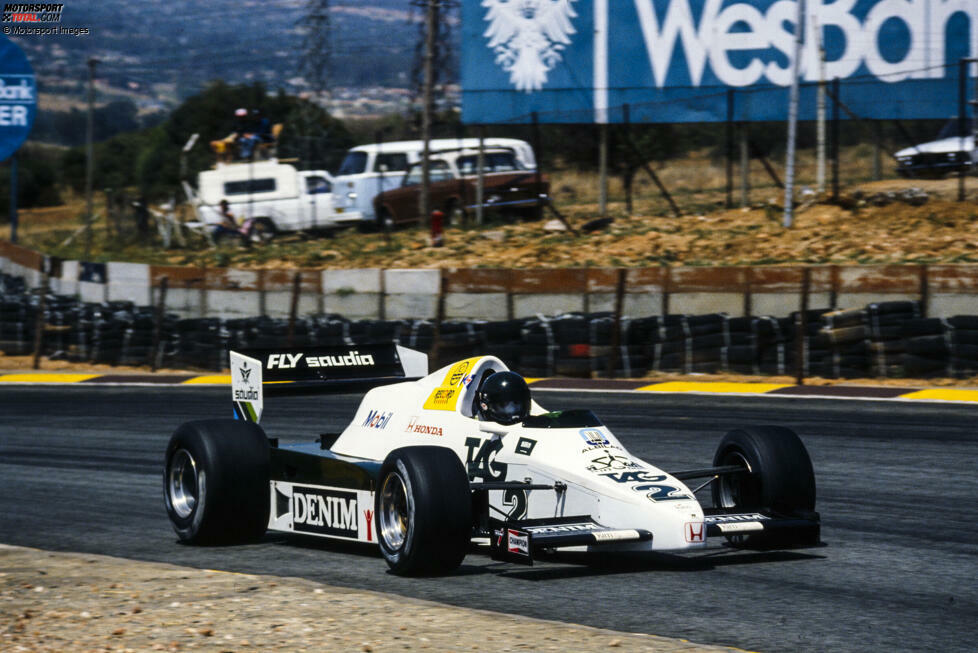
[[744, 165], [730, 147], [924, 284], [616, 326], [837, 100], [801, 326], [538, 154], [39, 321], [603, 170], [962, 117], [628, 171], [154, 351], [294, 306]]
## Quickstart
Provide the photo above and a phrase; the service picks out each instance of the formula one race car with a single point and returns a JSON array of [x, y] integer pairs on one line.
[[433, 463]]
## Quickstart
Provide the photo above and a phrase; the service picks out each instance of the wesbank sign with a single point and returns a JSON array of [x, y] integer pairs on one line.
[[674, 60]]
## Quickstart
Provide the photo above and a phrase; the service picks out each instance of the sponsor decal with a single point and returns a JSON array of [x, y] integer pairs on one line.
[[610, 461], [517, 542], [467, 381], [695, 532], [635, 477], [414, 426], [245, 373], [528, 38], [245, 394], [457, 373], [525, 446], [660, 492], [290, 361], [583, 527], [442, 399], [615, 536], [368, 519], [324, 512], [593, 437], [754, 516], [377, 419], [480, 460]]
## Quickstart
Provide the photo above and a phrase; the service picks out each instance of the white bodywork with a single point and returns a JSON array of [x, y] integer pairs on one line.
[[602, 479], [355, 191], [292, 199]]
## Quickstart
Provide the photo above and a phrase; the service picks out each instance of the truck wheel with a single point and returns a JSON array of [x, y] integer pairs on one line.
[[424, 511], [777, 475], [262, 230], [384, 221], [215, 481]]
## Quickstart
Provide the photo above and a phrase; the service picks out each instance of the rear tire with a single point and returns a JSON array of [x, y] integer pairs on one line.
[[215, 481], [423, 509], [262, 230]]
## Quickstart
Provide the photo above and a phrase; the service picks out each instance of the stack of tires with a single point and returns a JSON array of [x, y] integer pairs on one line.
[[962, 337], [772, 338], [200, 343], [504, 341], [16, 320], [886, 335], [459, 339], [927, 347], [845, 333]]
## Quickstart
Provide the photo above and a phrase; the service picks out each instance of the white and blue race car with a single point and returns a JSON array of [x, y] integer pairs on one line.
[[433, 464]]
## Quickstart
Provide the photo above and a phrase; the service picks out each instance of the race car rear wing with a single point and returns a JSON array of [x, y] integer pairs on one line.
[[317, 370]]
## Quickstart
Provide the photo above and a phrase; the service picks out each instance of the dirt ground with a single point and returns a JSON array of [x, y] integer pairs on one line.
[[84, 603], [864, 227]]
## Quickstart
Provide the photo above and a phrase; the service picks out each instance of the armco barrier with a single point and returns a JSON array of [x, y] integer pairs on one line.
[[503, 294]]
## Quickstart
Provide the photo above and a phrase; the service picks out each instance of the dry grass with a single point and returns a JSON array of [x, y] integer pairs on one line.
[[940, 231]]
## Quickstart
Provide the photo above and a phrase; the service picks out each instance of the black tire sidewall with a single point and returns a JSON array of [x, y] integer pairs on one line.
[[780, 463], [439, 511], [232, 458]]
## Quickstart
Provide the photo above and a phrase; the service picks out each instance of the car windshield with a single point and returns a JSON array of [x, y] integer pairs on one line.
[[563, 419], [438, 171], [495, 162], [353, 164], [952, 126]]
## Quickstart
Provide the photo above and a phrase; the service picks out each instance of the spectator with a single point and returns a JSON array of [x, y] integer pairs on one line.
[[228, 225]]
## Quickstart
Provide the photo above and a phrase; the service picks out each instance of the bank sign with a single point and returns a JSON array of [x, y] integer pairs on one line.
[[18, 98], [581, 61]]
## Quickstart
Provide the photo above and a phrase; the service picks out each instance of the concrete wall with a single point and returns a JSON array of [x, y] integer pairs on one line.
[[499, 294]]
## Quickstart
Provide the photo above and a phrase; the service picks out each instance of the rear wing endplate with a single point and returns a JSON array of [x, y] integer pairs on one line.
[[317, 370]]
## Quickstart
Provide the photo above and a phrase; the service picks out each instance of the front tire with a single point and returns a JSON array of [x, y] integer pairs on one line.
[[423, 509], [215, 481], [778, 472], [777, 477]]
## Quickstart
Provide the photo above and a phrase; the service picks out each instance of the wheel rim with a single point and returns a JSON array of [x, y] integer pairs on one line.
[[739, 489], [393, 513], [182, 483]]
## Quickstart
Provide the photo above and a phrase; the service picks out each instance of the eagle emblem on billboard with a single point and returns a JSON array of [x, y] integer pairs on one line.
[[527, 37]]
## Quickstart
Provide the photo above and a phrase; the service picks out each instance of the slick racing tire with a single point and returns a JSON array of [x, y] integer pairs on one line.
[[423, 509], [215, 481], [777, 476]]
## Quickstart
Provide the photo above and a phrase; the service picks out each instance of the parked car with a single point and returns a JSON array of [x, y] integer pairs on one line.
[[273, 196], [368, 170], [508, 187], [950, 153]]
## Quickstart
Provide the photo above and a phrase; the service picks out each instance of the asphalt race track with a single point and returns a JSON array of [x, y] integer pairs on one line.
[[80, 470]]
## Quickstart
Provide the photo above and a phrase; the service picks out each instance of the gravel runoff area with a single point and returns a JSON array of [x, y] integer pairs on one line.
[[83, 602]]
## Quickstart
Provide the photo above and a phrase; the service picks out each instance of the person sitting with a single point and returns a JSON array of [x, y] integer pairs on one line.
[[228, 226], [504, 398]]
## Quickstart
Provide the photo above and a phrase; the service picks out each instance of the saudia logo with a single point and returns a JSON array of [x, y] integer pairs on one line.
[[290, 361]]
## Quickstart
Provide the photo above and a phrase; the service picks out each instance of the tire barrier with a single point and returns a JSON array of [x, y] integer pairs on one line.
[[884, 339]]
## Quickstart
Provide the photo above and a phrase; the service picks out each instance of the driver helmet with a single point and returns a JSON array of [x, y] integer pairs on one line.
[[504, 398]]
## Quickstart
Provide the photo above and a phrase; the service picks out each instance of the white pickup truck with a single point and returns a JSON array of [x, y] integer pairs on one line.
[[274, 196]]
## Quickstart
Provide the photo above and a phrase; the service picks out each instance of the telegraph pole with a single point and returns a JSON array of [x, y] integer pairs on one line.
[[789, 181], [431, 25], [90, 156]]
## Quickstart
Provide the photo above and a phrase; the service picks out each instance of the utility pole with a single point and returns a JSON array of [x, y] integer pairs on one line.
[[789, 181], [820, 112], [90, 157], [431, 24]]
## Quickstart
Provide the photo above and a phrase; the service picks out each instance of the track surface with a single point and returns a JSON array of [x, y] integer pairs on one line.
[[80, 470]]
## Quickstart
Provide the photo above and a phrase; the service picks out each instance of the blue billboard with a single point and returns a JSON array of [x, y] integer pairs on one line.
[[18, 98], [583, 61]]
